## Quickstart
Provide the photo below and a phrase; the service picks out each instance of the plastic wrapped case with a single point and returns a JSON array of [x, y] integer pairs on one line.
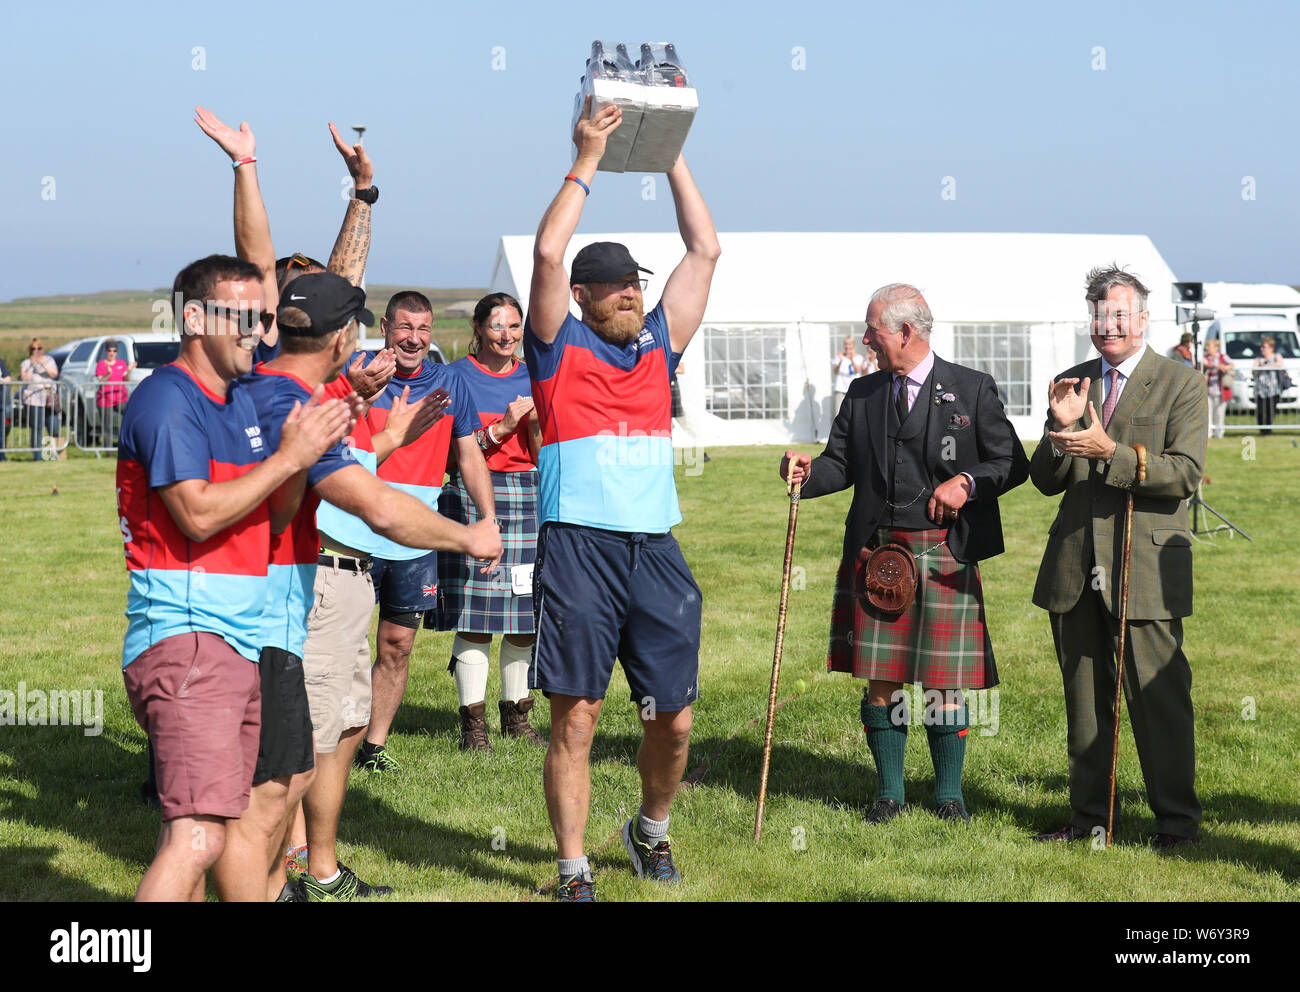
[[655, 95]]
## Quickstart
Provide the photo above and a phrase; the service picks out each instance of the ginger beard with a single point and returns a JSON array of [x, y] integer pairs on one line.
[[617, 319]]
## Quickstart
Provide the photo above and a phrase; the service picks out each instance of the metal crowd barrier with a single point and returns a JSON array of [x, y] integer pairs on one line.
[[86, 416], [32, 427], [1241, 412]]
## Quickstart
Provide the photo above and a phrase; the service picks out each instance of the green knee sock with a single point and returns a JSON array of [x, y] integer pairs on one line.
[[887, 740], [947, 739]]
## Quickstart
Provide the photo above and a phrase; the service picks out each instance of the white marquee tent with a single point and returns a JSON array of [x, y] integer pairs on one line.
[[759, 369]]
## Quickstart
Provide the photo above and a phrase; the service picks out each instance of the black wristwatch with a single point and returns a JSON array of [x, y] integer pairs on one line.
[[368, 195]]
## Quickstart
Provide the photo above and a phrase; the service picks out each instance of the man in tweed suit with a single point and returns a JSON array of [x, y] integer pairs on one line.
[[928, 449], [1129, 396]]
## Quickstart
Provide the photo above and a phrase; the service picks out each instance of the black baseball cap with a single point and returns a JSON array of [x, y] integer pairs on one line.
[[603, 261], [328, 299]]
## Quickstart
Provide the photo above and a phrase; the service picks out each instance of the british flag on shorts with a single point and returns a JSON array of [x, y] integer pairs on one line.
[[940, 641]]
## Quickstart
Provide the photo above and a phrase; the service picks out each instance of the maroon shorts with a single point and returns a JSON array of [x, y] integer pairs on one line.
[[200, 702]]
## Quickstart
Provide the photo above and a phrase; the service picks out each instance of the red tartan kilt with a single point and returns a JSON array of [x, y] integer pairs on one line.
[[941, 641]]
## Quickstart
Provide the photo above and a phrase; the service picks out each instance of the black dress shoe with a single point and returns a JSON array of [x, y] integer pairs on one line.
[[1166, 842], [1067, 832], [884, 810], [952, 809]]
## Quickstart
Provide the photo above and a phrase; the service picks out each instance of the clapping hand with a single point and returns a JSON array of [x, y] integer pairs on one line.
[[1093, 442], [1067, 405], [408, 421], [516, 412], [369, 380]]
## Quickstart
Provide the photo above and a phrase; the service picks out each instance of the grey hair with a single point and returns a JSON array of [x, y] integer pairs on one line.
[[1104, 278], [904, 304]]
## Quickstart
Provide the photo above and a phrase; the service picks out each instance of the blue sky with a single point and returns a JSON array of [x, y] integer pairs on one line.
[[1196, 103]]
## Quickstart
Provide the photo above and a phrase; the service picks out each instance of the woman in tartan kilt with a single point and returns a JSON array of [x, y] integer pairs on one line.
[[474, 604]]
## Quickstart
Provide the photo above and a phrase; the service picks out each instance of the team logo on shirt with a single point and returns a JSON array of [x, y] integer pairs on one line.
[[254, 437]]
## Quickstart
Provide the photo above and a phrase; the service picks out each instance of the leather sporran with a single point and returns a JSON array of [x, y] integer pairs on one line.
[[886, 579]]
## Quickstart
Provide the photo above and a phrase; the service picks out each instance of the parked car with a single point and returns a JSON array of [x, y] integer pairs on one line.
[[77, 371], [1240, 339], [60, 354]]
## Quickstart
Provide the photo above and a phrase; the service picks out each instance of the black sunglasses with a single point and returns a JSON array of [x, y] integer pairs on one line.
[[245, 318]]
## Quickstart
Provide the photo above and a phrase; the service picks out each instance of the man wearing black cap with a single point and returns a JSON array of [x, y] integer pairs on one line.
[[318, 321], [610, 579]]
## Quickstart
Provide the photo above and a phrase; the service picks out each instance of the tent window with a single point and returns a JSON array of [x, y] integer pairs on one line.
[[744, 372], [841, 331], [1001, 350]]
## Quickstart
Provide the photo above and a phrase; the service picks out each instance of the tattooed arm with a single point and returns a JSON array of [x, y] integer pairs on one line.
[[352, 246]]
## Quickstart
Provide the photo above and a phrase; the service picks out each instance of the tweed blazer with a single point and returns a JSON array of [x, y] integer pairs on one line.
[[968, 433], [1162, 407]]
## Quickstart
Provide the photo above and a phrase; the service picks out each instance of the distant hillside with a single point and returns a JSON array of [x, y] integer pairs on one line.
[[66, 316], [375, 291]]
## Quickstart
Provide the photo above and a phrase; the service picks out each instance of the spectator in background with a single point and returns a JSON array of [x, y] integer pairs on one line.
[[1268, 385], [111, 398], [847, 366], [1218, 375], [40, 399], [4, 401], [1182, 351]]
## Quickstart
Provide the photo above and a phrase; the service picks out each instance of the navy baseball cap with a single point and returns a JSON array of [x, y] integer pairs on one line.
[[603, 261], [328, 299]]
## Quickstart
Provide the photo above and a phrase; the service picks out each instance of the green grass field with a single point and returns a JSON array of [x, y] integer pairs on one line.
[[459, 826]]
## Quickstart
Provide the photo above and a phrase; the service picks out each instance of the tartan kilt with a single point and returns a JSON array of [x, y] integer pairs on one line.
[[485, 604], [941, 641]]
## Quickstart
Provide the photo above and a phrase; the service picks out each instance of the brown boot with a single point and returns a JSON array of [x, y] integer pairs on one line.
[[514, 721], [473, 728]]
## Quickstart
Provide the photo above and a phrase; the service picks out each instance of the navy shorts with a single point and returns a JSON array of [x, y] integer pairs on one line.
[[601, 594], [405, 586]]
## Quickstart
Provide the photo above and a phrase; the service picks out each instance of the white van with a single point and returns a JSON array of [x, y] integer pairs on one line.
[[1240, 339]]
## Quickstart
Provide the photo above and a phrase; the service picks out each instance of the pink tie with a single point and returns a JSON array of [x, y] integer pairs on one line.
[[1112, 397]]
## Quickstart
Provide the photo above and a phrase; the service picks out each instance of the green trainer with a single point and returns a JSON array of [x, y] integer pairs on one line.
[[345, 888], [375, 758]]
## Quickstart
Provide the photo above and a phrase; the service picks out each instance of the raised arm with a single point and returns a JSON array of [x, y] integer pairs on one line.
[[687, 291], [548, 297], [252, 225], [352, 246]]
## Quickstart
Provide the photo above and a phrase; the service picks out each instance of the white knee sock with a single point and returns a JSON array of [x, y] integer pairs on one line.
[[471, 670], [514, 670]]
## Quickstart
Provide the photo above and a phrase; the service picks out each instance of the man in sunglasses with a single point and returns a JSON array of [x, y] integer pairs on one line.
[[610, 579], [197, 485]]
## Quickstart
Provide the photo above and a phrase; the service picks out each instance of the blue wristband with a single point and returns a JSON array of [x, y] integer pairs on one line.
[[585, 188]]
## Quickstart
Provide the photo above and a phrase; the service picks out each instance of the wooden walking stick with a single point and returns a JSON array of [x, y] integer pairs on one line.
[[1123, 632], [793, 489]]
